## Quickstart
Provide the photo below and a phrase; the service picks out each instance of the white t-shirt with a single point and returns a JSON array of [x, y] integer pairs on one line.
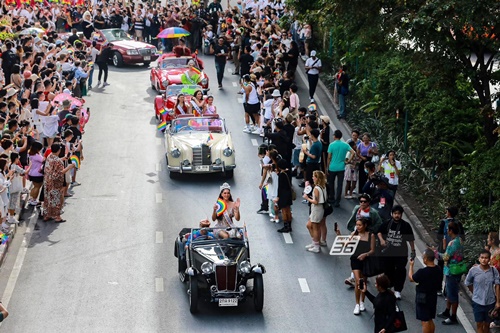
[[268, 107], [313, 62], [390, 171]]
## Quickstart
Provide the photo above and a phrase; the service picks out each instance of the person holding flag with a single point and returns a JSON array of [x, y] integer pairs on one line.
[[225, 209], [191, 76]]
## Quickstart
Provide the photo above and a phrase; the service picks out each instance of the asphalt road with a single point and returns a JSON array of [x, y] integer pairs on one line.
[[111, 268]]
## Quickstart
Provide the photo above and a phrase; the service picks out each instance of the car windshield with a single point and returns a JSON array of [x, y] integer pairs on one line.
[[169, 63], [221, 250], [176, 89], [112, 35], [212, 125]]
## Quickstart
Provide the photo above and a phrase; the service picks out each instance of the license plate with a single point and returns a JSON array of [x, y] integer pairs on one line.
[[202, 168], [228, 302], [147, 58]]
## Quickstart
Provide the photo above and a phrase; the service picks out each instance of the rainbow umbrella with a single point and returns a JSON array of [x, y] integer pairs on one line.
[[174, 32]]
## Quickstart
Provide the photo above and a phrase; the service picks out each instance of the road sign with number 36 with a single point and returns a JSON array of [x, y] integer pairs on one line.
[[344, 245]]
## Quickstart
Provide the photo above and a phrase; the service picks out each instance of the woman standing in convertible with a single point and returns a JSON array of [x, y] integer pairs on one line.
[[227, 209]]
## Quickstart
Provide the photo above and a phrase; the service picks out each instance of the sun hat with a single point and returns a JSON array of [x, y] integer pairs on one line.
[[276, 93], [325, 119], [11, 92]]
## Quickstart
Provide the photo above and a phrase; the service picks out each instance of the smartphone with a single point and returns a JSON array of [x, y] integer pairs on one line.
[[361, 284]]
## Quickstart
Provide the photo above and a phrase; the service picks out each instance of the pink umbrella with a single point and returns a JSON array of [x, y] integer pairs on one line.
[[62, 97]]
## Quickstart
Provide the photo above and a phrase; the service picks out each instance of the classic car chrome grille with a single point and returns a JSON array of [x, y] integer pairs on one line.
[[225, 277], [145, 52], [201, 155]]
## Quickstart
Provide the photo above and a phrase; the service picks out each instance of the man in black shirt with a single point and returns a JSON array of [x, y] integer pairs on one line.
[[246, 61], [393, 235], [99, 20], [74, 37], [220, 52], [8, 61]]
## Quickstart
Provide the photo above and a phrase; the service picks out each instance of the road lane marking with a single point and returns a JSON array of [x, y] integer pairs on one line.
[[235, 84], [254, 142], [304, 286], [159, 237], [288, 238], [159, 197], [240, 100], [159, 285], [158, 167]]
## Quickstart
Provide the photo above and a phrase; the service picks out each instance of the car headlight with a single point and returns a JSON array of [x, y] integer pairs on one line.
[[176, 153], [132, 52], [207, 268], [154, 50], [227, 152], [218, 161], [204, 81], [245, 267], [165, 83], [185, 163]]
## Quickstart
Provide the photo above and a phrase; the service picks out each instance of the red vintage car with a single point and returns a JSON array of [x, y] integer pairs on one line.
[[124, 49], [167, 100], [174, 70]]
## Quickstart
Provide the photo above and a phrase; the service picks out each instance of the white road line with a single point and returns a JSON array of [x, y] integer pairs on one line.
[[240, 100], [288, 238], [254, 142], [158, 167], [304, 286], [159, 237], [159, 285], [235, 84], [159, 197], [18, 264]]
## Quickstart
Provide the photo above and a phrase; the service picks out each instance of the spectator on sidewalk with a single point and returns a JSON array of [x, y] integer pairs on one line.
[[393, 236], [313, 68], [313, 155], [365, 150], [452, 256], [337, 151], [391, 169], [351, 171], [483, 282], [428, 280], [343, 90]]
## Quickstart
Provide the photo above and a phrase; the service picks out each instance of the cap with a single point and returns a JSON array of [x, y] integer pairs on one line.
[[37, 40], [313, 53], [59, 42]]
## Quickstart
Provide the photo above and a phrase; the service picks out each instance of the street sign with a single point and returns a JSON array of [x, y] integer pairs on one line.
[[344, 245]]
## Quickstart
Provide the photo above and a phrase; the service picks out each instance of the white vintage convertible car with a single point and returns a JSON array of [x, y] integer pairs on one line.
[[199, 145]]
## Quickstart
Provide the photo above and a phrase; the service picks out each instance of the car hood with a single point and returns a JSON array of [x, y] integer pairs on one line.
[[173, 74], [131, 44], [188, 140]]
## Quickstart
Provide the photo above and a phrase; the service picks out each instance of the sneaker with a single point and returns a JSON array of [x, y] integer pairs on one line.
[[450, 321], [312, 100], [440, 293], [262, 211], [220, 86], [348, 196], [354, 192], [362, 306], [356, 310], [444, 314], [247, 130], [350, 282], [397, 294], [89, 88], [304, 201], [322, 243], [98, 84], [256, 131], [300, 176], [75, 184], [314, 249], [25, 190], [105, 84], [303, 184], [309, 246], [276, 220]]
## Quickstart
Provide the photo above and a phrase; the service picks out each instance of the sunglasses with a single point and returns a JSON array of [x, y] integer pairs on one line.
[[363, 201]]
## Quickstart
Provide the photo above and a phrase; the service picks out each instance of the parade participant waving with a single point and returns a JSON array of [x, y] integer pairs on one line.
[[181, 107], [198, 103], [225, 209]]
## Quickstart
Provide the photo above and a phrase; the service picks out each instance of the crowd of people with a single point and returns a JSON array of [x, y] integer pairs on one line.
[[39, 134]]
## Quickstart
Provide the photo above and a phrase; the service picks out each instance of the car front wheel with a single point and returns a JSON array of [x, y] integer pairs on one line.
[[117, 59], [258, 292], [193, 294], [147, 63], [229, 174]]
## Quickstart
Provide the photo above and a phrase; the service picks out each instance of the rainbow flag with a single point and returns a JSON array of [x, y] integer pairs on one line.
[[163, 111], [162, 126], [221, 207], [210, 137], [196, 70], [75, 160], [4, 238]]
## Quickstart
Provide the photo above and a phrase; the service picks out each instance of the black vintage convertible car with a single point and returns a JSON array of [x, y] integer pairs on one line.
[[218, 269]]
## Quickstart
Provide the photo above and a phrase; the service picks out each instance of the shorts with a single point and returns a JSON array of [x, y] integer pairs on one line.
[[427, 311], [481, 312], [14, 200], [452, 287], [36, 179], [252, 109]]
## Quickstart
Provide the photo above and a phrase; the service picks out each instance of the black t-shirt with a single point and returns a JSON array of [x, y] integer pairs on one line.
[[218, 49], [77, 135], [396, 234], [246, 61], [429, 279], [72, 39], [99, 18]]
